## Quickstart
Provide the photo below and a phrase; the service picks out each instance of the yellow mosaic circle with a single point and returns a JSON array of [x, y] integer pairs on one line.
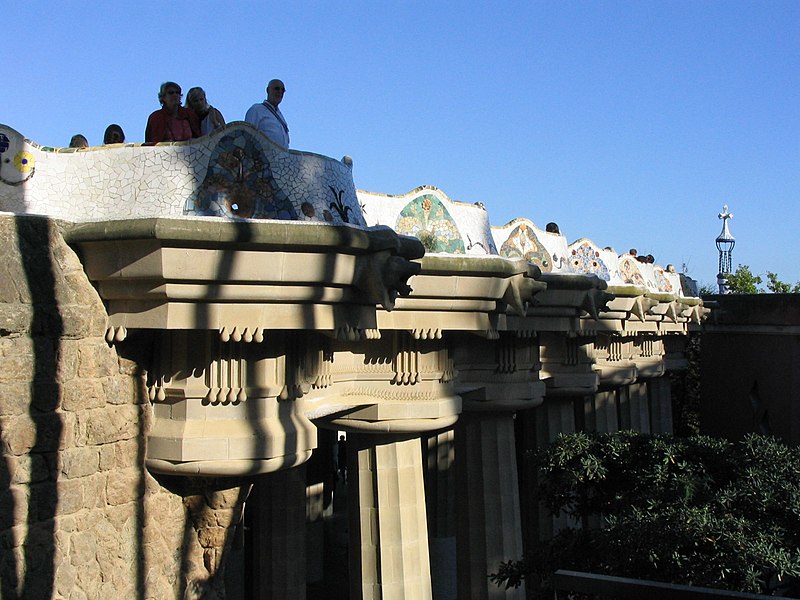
[[24, 161]]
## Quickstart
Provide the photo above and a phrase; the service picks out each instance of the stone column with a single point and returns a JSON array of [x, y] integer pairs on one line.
[[605, 412], [277, 516], [488, 511], [214, 507], [388, 530], [639, 407], [440, 496], [660, 395]]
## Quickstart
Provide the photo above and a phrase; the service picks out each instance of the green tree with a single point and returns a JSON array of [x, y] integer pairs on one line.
[[706, 289], [777, 286], [744, 282], [697, 511]]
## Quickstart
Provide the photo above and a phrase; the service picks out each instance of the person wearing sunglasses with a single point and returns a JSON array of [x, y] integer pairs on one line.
[[172, 122], [268, 118]]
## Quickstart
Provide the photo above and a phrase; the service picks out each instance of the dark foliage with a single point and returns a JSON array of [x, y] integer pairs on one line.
[[685, 386], [696, 511]]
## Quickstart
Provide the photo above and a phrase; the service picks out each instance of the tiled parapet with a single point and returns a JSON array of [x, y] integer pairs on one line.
[[234, 172], [551, 253], [637, 291], [442, 225], [522, 238]]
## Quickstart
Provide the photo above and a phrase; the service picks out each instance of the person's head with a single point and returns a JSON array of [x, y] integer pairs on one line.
[[275, 92], [196, 100], [113, 134], [633, 252], [78, 141], [170, 95], [552, 228]]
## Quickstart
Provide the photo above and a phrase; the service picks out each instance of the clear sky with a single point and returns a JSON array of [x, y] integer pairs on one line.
[[627, 122]]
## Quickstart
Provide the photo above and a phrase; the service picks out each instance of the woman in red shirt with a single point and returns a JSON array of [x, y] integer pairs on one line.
[[172, 122]]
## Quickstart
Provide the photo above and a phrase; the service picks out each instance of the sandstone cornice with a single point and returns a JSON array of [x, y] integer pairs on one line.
[[244, 276], [460, 293]]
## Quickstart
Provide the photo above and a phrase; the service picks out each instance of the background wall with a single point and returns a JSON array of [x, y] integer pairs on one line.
[[750, 366]]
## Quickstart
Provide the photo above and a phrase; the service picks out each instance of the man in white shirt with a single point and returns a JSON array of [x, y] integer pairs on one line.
[[268, 118]]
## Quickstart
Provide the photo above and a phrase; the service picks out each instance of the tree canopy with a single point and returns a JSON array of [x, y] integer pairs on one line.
[[696, 511], [743, 281]]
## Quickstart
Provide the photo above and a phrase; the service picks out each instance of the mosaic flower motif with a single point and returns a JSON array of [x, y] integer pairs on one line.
[[239, 183], [662, 282], [427, 219], [24, 161], [523, 243], [586, 259], [629, 271], [338, 204]]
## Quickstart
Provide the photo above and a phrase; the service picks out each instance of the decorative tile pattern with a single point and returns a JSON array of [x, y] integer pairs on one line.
[[629, 270], [236, 172], [524, 243], [239, 183], [471, 221], [206, 176], [426, 218], [584, 257], [662, 283], [553, 245]]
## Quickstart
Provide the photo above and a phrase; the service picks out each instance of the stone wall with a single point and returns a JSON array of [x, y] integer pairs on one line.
[[79, 515], [750, 367]]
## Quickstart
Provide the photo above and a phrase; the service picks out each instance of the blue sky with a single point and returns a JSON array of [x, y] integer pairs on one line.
[[630, 123]]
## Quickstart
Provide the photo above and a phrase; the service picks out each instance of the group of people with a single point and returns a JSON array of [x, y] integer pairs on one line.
[[176, 123], [113, 135], [648, 259]]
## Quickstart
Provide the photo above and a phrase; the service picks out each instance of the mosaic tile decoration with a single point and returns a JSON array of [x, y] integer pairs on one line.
[[543, 246], [630, 272], [205, 176], [239, 183], [523, 242], [426, 218], [236, 172], [656, 278], [585, 257], [447, 225]]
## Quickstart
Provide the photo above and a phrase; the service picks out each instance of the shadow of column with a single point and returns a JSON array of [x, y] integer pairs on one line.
[[46, 329]]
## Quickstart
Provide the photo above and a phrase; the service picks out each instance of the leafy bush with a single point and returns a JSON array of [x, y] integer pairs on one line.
[[696, 511]]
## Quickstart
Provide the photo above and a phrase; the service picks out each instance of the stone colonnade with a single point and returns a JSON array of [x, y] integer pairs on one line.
[[265, 337]]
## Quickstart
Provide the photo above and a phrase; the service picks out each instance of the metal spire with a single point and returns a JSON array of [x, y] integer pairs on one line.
[[725, 244]]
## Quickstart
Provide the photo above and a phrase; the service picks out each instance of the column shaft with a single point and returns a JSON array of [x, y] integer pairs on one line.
[[440, 495], [389, 557], [277, 518], [489, 526], [660, 394]]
